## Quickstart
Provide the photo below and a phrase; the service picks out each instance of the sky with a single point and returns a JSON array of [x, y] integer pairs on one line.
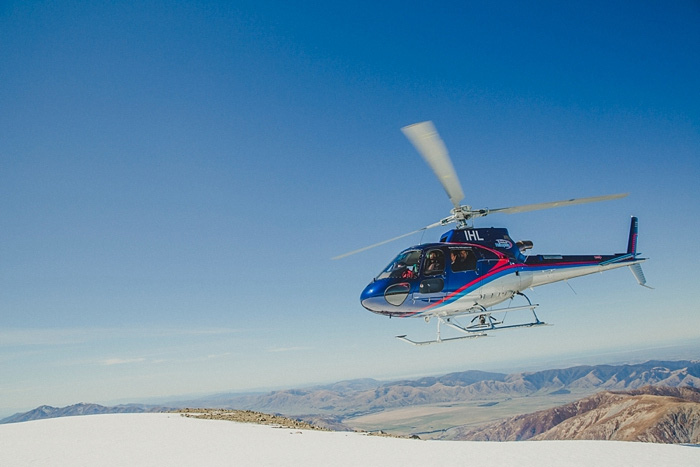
[[175, 177]]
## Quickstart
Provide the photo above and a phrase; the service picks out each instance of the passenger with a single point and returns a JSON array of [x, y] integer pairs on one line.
[[468, 260], [434, 263], [457, 262], [463, 256]]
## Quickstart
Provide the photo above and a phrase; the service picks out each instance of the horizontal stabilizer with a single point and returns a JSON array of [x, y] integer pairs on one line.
[[639, 275], [617, 259]]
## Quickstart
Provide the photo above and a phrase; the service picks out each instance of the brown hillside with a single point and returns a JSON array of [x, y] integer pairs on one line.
[[659, 415]]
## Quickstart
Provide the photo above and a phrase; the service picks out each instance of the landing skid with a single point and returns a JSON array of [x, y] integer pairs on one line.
[[440, 340], [481, 324]]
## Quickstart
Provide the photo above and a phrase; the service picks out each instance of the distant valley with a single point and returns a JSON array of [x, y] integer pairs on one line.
[[433, 404]]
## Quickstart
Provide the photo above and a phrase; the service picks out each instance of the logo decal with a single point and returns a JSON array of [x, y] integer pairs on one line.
[[502, 243]]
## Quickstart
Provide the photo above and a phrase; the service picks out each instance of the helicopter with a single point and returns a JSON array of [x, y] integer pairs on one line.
[[471, 271]]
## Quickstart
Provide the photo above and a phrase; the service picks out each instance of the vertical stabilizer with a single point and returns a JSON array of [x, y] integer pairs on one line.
[[632, 242], [632, 252]]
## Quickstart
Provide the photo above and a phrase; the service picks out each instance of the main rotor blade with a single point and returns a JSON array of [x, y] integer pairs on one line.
[[426, 140], [437, 224], [555, 204]]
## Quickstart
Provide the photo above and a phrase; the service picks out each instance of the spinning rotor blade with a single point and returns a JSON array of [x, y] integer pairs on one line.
[[426, 140], [437, 224], [554, 204]]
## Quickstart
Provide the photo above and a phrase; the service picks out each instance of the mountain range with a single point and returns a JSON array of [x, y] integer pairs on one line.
[[47, 411], [340, 405], [352, 398]]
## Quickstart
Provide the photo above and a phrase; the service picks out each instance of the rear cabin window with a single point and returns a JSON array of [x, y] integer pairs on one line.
[[462, 259]]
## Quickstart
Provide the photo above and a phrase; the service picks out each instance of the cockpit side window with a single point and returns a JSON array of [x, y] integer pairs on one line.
[[462, 259], [404, 266], [434, 262]]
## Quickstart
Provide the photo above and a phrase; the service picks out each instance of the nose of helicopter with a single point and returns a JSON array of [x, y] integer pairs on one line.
[[385, 296], [372, 297]]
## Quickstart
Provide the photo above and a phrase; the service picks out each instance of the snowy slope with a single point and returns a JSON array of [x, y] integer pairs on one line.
[[173, 440]]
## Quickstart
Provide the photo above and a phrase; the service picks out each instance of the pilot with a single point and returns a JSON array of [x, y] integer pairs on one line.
[[409, 273], [398, 269]]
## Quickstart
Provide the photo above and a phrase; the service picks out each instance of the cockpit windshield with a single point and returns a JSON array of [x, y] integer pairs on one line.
[[405, 266]]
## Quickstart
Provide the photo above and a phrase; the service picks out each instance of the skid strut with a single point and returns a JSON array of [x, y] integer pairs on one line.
[[483, 322]]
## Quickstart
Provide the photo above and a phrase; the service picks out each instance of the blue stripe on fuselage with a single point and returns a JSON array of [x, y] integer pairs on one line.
[[491, 276]]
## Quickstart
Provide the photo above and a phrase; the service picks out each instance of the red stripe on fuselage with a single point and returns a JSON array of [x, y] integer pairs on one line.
[[500, 267]]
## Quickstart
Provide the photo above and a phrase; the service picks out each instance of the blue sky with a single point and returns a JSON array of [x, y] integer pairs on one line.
[[175, 177]]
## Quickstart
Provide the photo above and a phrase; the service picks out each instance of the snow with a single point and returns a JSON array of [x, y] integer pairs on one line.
[[174, 440]]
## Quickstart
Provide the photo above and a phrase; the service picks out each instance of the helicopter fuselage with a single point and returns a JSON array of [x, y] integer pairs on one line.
[[470, 270]]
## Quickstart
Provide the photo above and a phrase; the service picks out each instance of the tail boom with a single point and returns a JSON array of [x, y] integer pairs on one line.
[[567, 267]]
